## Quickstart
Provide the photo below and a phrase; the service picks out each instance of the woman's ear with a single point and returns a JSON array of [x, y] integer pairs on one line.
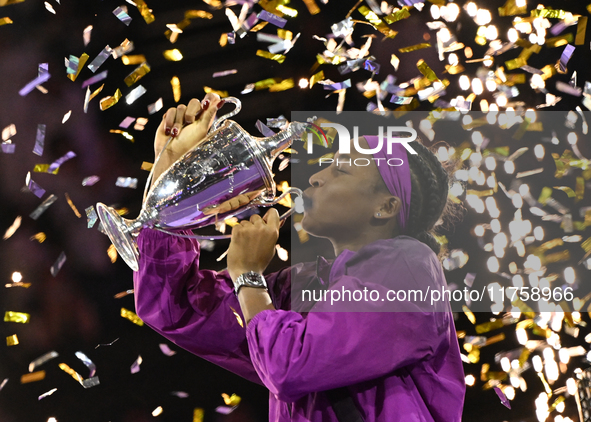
[[389, 208]]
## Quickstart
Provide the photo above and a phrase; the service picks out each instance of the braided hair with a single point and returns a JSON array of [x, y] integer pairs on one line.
[[429, 195]]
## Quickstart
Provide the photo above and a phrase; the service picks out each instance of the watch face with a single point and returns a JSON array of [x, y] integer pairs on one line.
[[254, 279]]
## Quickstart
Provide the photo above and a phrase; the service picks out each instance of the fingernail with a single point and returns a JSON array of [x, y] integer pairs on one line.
[[174, 131], [221, 104], [205, 105], [167, 131]]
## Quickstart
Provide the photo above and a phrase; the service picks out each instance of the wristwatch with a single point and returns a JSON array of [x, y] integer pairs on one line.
[[250, 279]]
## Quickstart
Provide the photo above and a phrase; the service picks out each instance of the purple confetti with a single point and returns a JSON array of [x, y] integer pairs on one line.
[[565, 57], [8, 148], [372, 66], [135, 367], [57, 163], [90, 180], [94, 79], [264, 129], [567, 89], [272, 19], [338, 85], [166, 350], [503, 397], [126, 122], [44, 77], [224, 73], [37, 190], [39, 140]]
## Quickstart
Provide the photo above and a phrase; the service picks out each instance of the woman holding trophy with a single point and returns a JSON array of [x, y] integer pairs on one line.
[[333, 362]]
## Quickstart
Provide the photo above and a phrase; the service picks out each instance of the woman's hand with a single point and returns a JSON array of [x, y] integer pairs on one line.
[[253, 244], [187, 125], [232, 204]]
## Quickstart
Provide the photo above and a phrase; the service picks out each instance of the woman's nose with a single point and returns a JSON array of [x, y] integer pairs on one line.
[[316, 180]]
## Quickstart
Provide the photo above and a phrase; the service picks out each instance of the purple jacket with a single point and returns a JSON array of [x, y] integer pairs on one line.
[[398, 366]]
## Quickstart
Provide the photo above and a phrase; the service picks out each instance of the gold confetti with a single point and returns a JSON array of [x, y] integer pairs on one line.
[[579, 189], [198, 414], [414, 47], [559, 41], [135, 59], [70, 371], [44, 168], [569, 192], [285, 34], [372, 18], [39, 237], [18, 284], [279, 58], [71, 204], [127, 314], [258, 26], [284, 85], [223, 39], [292, 13], [19, 317], [137, 74], [317, 77], [469, 314], [489, 326], [13, 228], [581, 29], [126, 135], [81, 62], [312, 7], [173, 55], [123, 294], [510, 8], [208, 90], [426, 71], [176, 88], [238, 318], [32, 377], [266, 83], [5, 21], [458, 68], [12, 340], [193, 14], [394, 61], [232, 400], [147, 166], [549, 13], [109, 102], [112, 252], [398, 15], [144, 11]]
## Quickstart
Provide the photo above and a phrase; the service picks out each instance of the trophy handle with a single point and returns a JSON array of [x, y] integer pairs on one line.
[[258, 202], [220, 120]]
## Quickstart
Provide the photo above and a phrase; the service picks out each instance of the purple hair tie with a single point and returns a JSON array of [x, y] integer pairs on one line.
[[396, 176]]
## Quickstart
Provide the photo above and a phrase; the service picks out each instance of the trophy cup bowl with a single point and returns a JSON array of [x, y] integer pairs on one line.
[[227, 163]]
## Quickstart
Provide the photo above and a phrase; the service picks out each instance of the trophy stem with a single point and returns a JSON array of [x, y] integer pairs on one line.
[[121, 231]]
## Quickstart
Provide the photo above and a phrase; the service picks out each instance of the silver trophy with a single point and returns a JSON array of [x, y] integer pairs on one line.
[[227, 163]]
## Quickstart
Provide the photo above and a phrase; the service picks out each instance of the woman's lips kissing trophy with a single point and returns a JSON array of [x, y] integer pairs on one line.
[[227, 163]]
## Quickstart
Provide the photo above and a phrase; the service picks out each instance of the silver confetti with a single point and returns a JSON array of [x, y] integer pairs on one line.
[[100, 59], [42, 359], [135, 93], [57, 265], [126, 182], [86, 361]]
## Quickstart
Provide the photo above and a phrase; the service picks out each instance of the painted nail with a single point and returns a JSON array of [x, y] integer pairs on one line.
[[221, 104], [205, 105], [174, 131], [167, 131]]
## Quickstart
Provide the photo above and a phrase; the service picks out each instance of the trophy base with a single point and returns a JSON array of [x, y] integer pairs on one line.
[[115, 227]]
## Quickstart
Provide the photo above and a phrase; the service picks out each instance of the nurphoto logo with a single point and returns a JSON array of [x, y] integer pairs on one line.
[[392, 137]]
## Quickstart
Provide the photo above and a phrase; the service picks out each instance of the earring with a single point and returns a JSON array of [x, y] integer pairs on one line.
[[378, 215]]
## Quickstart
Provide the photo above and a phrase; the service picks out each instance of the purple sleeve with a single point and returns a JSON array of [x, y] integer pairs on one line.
[[295, 355], [193, 308]]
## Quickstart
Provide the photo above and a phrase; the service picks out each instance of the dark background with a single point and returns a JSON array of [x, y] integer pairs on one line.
[[76, 310]]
